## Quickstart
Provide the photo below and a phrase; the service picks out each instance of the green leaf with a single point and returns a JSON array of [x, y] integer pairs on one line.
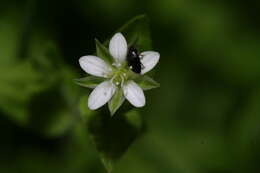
[[116, 101], [55, 111], [147, 83], [137, 33], [89, 82], [103, 52], [113, 135]]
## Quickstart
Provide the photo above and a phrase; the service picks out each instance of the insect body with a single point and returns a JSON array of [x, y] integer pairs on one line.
[[133, 59]]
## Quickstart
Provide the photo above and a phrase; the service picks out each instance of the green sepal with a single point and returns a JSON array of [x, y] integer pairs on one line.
[[147, 83], [89, 82], [103, 52], [116, 101]]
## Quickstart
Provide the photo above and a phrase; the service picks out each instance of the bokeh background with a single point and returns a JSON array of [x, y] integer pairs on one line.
[[205, 117]]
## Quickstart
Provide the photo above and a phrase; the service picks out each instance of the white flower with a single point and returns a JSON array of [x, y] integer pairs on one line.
[[117, 74]]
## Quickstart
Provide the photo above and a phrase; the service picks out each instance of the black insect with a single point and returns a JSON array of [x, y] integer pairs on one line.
[[134, 60]]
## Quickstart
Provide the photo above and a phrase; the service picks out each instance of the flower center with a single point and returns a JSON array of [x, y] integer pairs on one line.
[[119, 76]]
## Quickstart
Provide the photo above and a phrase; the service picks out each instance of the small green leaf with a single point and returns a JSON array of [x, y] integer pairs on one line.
[[116, 101], [147, 83], [103, 52], [89, 82]]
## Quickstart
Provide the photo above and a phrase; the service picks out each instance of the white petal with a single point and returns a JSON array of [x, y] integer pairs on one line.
[[149, 60], [118, 47], [94, 65], [101, 95], [134, 94]]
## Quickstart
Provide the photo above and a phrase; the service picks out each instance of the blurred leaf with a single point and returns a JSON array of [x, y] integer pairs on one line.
[[10, 34], [116, 101], [89, 82], [103, 52], [147, 83], [18, 80], [59, 123], [16, 89], [137, 33], [38, 92], [21, 78], [113, 135], [247, 127], [60, 100]]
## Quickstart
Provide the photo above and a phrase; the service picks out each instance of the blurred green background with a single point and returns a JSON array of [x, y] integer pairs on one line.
[[205, 117]]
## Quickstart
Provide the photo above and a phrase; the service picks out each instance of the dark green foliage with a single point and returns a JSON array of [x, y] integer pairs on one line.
[[113, 135]]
